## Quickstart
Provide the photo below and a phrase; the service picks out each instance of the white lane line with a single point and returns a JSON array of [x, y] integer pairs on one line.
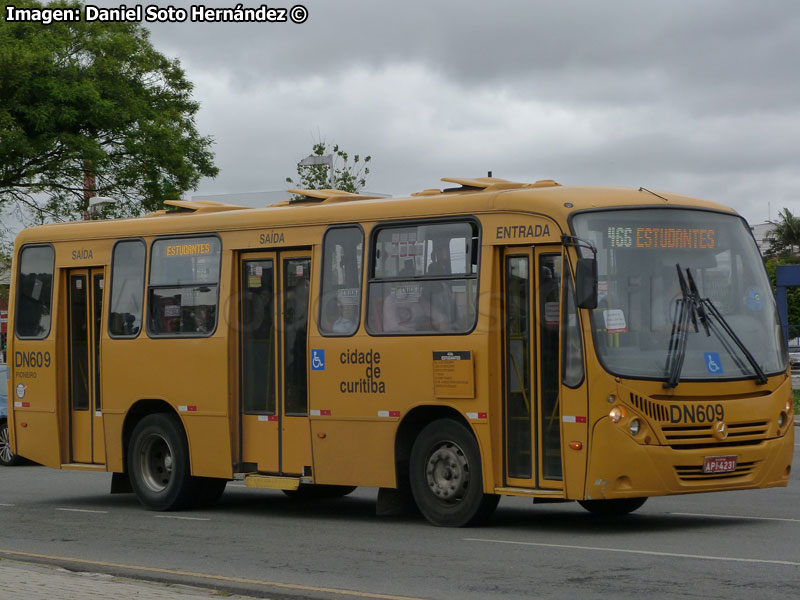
[[644, 552], [3, 504], [734, 517], [181, 518], [83, 510]]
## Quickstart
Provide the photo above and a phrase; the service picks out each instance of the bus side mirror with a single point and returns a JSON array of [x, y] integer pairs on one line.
[[586, 283]]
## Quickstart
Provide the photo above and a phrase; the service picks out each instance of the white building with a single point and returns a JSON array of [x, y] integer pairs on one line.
[[763, 232]]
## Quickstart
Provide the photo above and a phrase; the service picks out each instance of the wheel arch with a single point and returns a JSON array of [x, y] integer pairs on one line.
[[139, 411]]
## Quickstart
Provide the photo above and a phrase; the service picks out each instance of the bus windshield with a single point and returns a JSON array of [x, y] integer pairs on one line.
[[639, 255]]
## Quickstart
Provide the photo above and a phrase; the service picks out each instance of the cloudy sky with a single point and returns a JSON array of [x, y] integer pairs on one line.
[[701, 98]]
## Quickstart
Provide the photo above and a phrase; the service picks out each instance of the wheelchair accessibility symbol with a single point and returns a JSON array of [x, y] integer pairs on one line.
[[317, 359], [713, 363]]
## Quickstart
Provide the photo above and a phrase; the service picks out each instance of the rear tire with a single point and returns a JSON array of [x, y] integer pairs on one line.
[[445, 476], [158, 463], [7, 458], [612, 508]]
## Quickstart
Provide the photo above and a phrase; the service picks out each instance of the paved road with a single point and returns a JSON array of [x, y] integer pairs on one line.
[[260, 543]]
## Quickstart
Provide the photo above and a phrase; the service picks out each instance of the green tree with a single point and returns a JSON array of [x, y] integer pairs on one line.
[[91, 108], [792, 293], [347, 176], [786, 234], [5, 266]]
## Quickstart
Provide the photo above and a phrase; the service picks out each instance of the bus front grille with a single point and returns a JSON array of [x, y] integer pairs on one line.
[[702, 436], [695, 472]]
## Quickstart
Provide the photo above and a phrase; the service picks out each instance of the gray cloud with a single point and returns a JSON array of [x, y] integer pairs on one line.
[[700, 98]]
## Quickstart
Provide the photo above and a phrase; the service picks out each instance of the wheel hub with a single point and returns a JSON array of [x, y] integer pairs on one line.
[[447, 472], [5, 445], [156, 463]]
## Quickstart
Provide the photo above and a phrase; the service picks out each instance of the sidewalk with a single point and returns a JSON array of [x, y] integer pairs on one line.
[[42, 582]]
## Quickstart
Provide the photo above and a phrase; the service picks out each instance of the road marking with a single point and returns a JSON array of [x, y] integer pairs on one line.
[[288, 586], [182, 518], [83, 510], [734, 517], [645, 552], [1, 504]]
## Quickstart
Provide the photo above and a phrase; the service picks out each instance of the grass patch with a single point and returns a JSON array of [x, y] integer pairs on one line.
[[796, 395]]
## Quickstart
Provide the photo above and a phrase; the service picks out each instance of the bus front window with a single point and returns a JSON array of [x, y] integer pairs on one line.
[[640, 293]]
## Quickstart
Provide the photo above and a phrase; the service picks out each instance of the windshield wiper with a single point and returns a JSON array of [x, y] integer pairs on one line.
[[705, 304], [690, 307], [684, 311]]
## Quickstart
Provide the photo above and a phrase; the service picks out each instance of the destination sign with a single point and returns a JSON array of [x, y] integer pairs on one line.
[[681, 238], [188, 249]]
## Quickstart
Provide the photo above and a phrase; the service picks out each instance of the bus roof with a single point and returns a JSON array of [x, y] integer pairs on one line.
[[322, 207]]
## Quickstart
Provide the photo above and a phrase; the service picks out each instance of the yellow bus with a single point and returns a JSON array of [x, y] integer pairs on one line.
[[599, 345]]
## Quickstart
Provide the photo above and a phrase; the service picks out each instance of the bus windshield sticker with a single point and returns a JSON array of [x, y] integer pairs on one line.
[[753, 299], [615, 321], [713, 363]]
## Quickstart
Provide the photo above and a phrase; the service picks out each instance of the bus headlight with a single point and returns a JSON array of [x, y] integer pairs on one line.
[[635, 426], [616, 414], [787, 408]]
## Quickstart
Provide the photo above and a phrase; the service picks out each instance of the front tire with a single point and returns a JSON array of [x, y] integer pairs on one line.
[[445, 476], [7, 458], [158, 463], [612, 508]]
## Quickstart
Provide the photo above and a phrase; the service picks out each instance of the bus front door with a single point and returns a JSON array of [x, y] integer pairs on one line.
[[273, 314], [532, 432], [85, 314]]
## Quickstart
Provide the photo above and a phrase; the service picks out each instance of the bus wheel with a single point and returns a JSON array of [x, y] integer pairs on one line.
[[158, 463], [612, 508], [7, 458], [320, 492], [207, 490], [445, 476]]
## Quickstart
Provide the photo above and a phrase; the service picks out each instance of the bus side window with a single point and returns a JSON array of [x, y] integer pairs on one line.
[[127, 289], [183, 287], [424, 279], [340, 301], [34, 292]]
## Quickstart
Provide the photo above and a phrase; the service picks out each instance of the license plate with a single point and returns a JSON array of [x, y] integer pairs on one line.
[[720, 464]]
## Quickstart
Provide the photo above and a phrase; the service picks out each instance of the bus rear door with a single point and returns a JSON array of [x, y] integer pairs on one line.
[[84, 322], [273, 315]]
